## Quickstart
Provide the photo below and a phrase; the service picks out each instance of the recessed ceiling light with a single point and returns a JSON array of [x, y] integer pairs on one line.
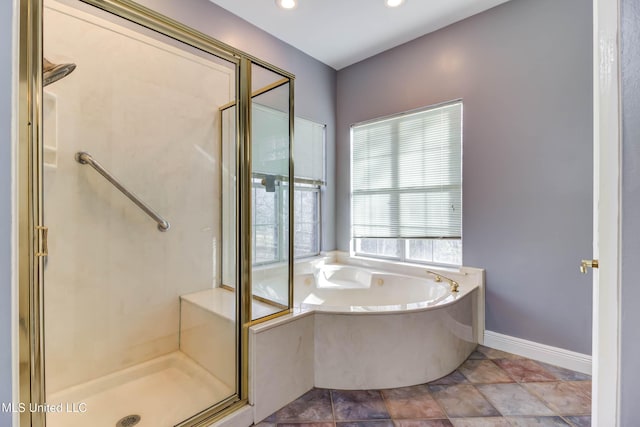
[[393, 3], [287, 4]]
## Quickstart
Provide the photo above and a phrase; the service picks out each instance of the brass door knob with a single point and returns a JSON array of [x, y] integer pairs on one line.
[[588, 263]]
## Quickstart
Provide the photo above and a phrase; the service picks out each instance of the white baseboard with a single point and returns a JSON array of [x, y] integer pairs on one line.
[[544, 353]]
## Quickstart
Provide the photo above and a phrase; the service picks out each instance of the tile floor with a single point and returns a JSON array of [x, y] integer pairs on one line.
[[491, 389]]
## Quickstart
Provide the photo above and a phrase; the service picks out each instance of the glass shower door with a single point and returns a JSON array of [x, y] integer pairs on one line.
[[269, 195], [138, 328]]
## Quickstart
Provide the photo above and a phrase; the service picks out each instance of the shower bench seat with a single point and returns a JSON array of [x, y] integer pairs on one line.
[[207, 330]]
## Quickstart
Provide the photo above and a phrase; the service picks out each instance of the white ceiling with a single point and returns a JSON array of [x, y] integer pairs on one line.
[[343, 32]]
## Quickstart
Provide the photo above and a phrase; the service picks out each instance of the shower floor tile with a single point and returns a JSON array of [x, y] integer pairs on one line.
[[491, 389]]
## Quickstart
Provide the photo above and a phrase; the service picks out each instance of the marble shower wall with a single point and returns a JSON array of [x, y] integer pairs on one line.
[[148, 112]]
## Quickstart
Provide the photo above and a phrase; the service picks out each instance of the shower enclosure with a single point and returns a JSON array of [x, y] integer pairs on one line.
[[145, 143]]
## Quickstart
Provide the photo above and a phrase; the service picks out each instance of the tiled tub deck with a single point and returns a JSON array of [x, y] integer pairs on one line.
[[491, 389]]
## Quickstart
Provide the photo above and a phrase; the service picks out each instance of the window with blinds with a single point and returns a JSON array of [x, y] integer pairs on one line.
[[406, 176]]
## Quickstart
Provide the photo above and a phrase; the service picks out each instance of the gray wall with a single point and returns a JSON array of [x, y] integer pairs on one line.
[[630, 315], [523, 70], [6, 44], [315, 95]]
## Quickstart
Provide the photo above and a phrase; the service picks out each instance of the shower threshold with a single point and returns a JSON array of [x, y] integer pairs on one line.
[[161, 392]]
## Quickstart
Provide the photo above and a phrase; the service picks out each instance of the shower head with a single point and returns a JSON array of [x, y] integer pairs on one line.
[[53, 72]]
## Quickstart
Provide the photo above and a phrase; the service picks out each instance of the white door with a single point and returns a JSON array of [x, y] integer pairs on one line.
[[606, 216]]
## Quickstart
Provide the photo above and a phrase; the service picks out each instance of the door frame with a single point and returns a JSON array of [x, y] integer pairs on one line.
[[606, 214]]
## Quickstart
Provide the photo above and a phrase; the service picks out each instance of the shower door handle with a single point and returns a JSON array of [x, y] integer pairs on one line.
[[44, 245]]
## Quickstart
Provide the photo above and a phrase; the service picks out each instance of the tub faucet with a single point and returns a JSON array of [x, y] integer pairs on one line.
[[439, 277]]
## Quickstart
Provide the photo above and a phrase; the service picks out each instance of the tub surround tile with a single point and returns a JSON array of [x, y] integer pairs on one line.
[[525, 370], [484, 372], [348, 356], [537, 422], [513, 399], [281, 365], [481, 422], [565, 398], [412, 402], [358, 405], [462, 400]]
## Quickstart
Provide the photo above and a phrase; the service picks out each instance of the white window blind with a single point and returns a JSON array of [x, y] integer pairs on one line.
[[308, 149], [406, 175]]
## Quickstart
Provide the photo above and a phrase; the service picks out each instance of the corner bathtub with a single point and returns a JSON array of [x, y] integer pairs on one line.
[[378, 329]]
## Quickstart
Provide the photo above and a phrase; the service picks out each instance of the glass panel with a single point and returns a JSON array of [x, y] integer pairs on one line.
[[136, 322], [420, 250], [388, 248], [447, 251], [438, 251], [266, 228], [270, 153]]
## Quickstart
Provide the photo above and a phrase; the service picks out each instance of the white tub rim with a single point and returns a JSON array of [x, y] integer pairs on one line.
[[374, 268]]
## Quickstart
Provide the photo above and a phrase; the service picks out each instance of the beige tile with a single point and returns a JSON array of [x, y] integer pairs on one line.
[[492, 353], [513, 399], [481, 422], [412, 402], [462, 400], [484, 372], [565, 398], [525, 370], [537, 422]]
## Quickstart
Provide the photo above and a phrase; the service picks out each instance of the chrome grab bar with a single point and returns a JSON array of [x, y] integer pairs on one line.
[[85, 158]]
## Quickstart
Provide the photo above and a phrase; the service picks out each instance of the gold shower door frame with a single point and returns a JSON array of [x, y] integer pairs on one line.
[[32, 231]]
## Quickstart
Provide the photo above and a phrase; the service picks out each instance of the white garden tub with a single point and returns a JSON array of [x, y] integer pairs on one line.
[[379, 329], [343, 288]]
